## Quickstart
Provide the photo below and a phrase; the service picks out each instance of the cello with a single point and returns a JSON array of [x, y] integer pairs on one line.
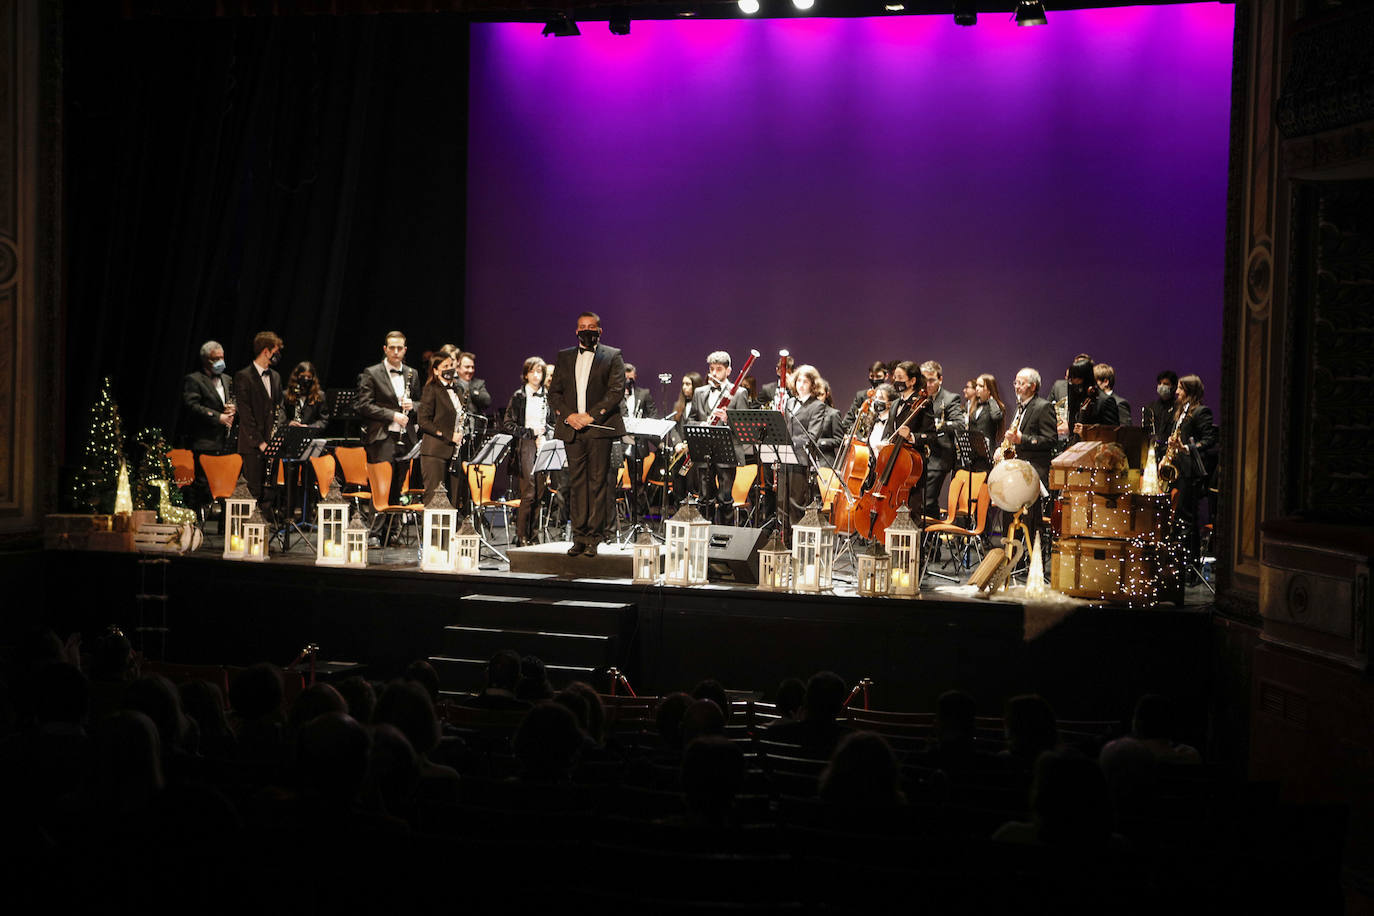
[[899, 467], [853, 469]]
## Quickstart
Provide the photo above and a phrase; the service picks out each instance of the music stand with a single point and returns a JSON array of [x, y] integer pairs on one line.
[[491, 453], [767, 431], [644, 428], [340, 407], [551, 456], [290, 446]]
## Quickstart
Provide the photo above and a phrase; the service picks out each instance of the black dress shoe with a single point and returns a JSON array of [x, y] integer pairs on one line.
[[589, 550], [577, 549]]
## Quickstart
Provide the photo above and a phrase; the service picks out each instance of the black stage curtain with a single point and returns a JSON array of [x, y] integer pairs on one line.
[[302, 175]]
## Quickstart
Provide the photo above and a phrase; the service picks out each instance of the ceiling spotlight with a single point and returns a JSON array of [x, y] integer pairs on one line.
[[965, 12], [749, 7], [894, 7], [620, 21], [803, 5], [561, 26], [1030, 12]]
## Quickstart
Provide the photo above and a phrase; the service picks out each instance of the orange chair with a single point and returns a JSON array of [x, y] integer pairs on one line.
[[222, 474], [480, 479], [183, 466], [324, 467], [970, 539], [353, 462], [745, 475], [379, 480]]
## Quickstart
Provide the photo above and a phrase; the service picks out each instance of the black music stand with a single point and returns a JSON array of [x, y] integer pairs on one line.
[[767, 431], [491, 454], [551, 457], [290, 446], [340, 408], [644, 429], [709, 446]]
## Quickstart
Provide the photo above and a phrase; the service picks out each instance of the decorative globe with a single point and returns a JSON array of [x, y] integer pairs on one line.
[[1013, 485]]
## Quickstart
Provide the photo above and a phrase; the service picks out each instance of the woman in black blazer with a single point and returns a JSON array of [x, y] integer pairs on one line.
[[988, 416], [441, 402], [1197, 446]]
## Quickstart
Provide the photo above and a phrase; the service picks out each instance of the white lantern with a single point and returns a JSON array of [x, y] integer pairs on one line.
[[875, 570], [467, 546], [237, 508], [648, 561], [775, 566], [813, 552], [355, 544], [903, 541], [255, 536], [331, 520], [687, 536], [439, 522]]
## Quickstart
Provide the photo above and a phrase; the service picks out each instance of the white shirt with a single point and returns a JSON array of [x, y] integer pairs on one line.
[[217, 382], [457, 413], [876, 440], [581, 375], [398, 385], [536, 407]]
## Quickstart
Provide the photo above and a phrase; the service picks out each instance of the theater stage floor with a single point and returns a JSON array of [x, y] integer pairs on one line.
[[1091, 662]]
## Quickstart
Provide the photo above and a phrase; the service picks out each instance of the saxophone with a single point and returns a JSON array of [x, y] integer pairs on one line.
[[1008, 448], [1168, 470]]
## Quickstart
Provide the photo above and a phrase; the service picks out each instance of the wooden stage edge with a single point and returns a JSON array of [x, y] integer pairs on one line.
[[1089, 661]]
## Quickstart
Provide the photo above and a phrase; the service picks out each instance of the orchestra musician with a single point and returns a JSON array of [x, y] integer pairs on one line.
[[1105, 376], [970, 397], [1034, 436], [385, 400], [527, 420], [1161, 410], [303, 403], [1195, 440], [814, 432], [639, 403], [934, 426], [207, 401], [877, 374], [709, 402], [257, 391], [440, 419], [987, 417], [676, 439]]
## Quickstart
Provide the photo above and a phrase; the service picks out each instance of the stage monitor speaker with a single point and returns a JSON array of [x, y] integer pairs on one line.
[[732, 554]]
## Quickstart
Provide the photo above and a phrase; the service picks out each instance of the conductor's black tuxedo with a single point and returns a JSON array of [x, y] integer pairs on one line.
[[588, 450], [375, 403]]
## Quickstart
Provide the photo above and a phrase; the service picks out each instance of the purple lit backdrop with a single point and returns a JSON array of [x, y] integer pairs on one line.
[[858, 189]]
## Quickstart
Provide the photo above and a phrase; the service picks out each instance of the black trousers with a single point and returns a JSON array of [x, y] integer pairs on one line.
[[434, 471], [529, 492], [588, 457]]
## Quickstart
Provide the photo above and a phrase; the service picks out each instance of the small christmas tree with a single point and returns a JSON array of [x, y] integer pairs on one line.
[[93, 485], [154, 465]]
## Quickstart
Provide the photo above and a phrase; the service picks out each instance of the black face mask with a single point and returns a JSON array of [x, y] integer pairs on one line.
[[589, 338], [276, 358], [880, 409], [305, 381], [899, 387], [449, 375]]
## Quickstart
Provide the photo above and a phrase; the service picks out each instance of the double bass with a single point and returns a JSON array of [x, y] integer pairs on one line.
[[899, 466], [853, 469]]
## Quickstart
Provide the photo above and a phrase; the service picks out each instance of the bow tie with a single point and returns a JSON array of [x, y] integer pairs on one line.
[[396, 372], [582, 349], [266, 372]]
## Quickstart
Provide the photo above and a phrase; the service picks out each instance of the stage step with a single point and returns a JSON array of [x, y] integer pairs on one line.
[[575, 639], [469, 675]]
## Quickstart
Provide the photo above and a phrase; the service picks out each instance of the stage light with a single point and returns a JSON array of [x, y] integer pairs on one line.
[[803, 5], [894, 7], [620, 22], [1030, 12], [965, 12], [749, 7], [561, 26]]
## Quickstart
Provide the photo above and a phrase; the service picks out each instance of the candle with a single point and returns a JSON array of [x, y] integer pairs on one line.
[[465, 561], [355, 556]]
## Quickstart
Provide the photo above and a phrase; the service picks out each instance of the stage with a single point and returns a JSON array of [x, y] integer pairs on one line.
[[1091, 662]]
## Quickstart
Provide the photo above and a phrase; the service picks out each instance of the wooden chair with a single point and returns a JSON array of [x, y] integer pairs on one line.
[[480, 479], [379, 480], [745, 475], [970, 540]]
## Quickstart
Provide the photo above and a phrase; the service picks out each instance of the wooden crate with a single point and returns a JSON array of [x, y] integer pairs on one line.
[[1114, 515], [1110, 569]]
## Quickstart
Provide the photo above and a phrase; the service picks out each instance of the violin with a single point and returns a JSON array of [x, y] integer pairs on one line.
[[899, 467]]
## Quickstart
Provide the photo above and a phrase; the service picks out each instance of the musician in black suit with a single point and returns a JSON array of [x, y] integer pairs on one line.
[[1161, 410], [988, 418], [257, 391], [638, 402], [934, 431], [1194, 456], [1105, 376], [709, 402], [207, 415], [815, 432], [1034, 435], [584, 405], [527, 420], [877, 375], [768, 394], [385, 401], [440, 419]]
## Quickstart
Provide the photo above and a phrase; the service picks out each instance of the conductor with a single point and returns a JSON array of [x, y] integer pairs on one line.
[[585, 396]]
